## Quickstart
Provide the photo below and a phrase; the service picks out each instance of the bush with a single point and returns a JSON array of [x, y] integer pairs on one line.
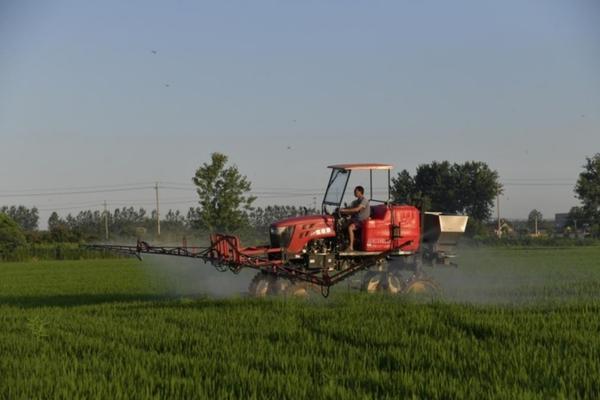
[[476, 228], [11, 236]]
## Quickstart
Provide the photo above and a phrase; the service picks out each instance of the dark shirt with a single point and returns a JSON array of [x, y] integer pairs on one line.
[[363, 214]]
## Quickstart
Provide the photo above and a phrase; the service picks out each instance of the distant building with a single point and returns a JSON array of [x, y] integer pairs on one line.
[[560, 221]]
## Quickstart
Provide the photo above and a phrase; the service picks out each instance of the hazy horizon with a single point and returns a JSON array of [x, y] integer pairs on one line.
[[108, 96]]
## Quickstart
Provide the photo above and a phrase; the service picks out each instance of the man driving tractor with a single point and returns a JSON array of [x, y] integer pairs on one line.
[[359, 211]]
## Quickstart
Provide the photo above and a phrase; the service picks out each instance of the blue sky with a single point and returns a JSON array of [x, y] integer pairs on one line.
[[116, 93]]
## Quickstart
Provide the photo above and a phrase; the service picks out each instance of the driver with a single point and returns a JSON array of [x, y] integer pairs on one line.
[[359, 211]]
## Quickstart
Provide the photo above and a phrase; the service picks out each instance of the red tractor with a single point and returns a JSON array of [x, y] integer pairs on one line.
[[306, 252]]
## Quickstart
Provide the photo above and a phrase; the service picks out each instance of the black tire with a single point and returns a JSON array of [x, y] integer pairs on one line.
[[279, 287], [422, 287], [261, 284], [300, 290], [372, 282], [395, 285]]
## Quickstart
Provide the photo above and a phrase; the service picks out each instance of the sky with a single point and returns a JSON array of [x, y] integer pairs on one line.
[[109, 97]]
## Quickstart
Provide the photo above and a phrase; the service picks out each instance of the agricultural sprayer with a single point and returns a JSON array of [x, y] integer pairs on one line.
[[311, 252]]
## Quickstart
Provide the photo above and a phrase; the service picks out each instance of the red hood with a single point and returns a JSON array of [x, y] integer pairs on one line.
[[305, 219]]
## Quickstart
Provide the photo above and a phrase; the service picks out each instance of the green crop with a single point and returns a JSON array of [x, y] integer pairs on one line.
[[510, 324]]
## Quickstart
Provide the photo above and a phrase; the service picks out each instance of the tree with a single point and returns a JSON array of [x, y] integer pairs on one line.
[[534, 220], [192, 218], [468, 188], [222, 190], [11, 235], [576, 218], [59, 231], [124, 222], [588, 191], [54, 221], [476, 188], [26, 218], [435, 185], [87, 224], [174, 222], [403, 188]]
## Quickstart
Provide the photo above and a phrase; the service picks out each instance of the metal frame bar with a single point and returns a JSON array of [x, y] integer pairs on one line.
[[329, 185], [389, 185], [323, 203], [371, 183], [224, 254]]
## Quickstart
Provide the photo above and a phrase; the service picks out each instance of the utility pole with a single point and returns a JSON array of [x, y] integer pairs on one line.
[[536, 225], [498, 209], [105, 221], [157, 211]]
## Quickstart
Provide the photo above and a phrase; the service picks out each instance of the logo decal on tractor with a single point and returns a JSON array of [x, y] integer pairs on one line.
[[322, 231]]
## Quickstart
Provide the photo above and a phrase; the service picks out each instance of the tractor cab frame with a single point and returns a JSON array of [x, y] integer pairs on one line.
[[339, 178]]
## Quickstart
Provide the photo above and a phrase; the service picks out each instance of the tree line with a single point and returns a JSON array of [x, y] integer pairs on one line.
[[130, 223], [225, 204]]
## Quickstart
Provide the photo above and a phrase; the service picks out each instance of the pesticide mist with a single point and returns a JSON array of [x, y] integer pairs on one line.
[[483, 276], [520, 275], [191, 277]]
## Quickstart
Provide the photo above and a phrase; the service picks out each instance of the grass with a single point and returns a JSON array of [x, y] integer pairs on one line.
[[111, 329]]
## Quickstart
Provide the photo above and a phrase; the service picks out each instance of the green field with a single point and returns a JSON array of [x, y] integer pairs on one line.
[[511, 324]]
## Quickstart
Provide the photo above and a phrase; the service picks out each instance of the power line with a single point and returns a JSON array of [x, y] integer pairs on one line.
[[70, 208], [75, 192], [76, 188], [145, 201], [139, 202], [70, 204], [284, 190], [96, 206]]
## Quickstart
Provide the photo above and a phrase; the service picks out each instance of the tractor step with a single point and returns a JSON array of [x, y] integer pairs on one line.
[[356, 253]]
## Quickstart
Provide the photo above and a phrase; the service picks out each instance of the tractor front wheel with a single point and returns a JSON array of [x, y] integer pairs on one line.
[[279, 286], [261, 285]]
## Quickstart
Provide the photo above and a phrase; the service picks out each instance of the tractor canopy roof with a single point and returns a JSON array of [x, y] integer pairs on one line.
[[363, 166], [340, 174]]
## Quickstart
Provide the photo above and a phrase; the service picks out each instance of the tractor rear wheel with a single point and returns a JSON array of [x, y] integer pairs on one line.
[[261, 285], [421, 286], [299, 290], [394, 284], [372, 282]]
